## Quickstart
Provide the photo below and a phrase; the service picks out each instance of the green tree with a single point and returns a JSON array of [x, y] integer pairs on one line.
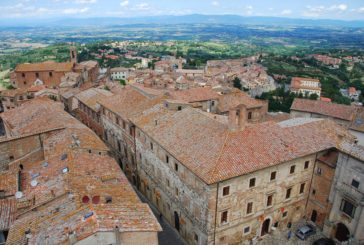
[[313, 97], [237, 83]]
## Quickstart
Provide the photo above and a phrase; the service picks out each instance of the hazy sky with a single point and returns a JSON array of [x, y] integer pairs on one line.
[[331, 9]]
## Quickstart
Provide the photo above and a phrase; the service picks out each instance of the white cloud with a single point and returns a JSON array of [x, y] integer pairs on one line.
[[21, 10], [318, 11], [75, 11], [142, 7], [248, 10], [86, 1], [286, 12], [124, 3], [215, 3], [313, 11], [360, 10], [340, 7]]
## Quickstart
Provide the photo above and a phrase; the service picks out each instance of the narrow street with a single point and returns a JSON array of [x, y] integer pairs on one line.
[[169, 235]]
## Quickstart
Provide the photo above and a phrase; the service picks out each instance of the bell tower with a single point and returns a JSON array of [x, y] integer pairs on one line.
[[73, 54]]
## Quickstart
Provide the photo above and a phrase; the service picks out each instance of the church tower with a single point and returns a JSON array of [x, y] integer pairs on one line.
[[73, 54]]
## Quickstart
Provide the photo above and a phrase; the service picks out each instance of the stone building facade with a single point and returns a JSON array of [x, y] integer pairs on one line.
[[306, 86], [223, 179], [119, 132], [48, 73], [318, 205], [341, 114], [346, 219], [88, 111], [221, 210]]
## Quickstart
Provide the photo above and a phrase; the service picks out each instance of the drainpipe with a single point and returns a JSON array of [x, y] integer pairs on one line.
[[217, 199]]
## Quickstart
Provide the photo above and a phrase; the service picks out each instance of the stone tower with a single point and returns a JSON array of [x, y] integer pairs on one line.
[[180, 63], [73, 54]]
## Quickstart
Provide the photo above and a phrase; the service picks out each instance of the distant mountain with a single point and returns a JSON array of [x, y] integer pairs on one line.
[[185, 19]]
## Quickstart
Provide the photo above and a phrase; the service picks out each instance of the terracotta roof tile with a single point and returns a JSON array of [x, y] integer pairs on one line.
[[343, 112], [45, 66], [13, 92], [194, 94], [129, 102], [72, 185], [7, 213], [236, 97], [90, 97], [207, 147]]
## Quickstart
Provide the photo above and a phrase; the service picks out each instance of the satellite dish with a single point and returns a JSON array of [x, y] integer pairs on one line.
[[18, 194], [65, 170], [34, 183]]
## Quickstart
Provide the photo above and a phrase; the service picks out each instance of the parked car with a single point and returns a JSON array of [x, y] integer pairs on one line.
[[324, 241], [305, 231]]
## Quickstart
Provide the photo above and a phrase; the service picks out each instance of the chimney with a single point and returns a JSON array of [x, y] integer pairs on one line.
[[237, 118]]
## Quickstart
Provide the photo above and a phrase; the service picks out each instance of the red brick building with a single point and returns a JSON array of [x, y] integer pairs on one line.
[[88, 109], [48, 73], [51, 73], [318, 206]]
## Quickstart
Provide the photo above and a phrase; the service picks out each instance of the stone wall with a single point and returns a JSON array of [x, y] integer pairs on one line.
[[280, 213], [30, 77], [120, 141], [14, 149], [347, 170], [318, 207], [173, 189]]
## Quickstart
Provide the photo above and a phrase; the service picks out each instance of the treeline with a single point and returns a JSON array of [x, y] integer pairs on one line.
[[281, 100]]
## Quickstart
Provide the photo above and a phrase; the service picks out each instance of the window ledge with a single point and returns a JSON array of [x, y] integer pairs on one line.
[[248, 215]]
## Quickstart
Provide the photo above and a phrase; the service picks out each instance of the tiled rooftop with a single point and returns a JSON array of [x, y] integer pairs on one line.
[[7, 213], [70, 190], [67, 197], [194, 94], [344, 112], [209, 149], [45, 66], [90, 97], [42, 114], [236, 97], [129, 102]]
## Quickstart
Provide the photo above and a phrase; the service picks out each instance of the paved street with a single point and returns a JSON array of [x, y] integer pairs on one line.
[[169, 235], [278, 238]]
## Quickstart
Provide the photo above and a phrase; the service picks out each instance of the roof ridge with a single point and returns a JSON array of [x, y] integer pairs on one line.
[[205, 114]]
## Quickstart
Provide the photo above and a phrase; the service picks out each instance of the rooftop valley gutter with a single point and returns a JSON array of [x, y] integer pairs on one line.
[[217, 199]]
